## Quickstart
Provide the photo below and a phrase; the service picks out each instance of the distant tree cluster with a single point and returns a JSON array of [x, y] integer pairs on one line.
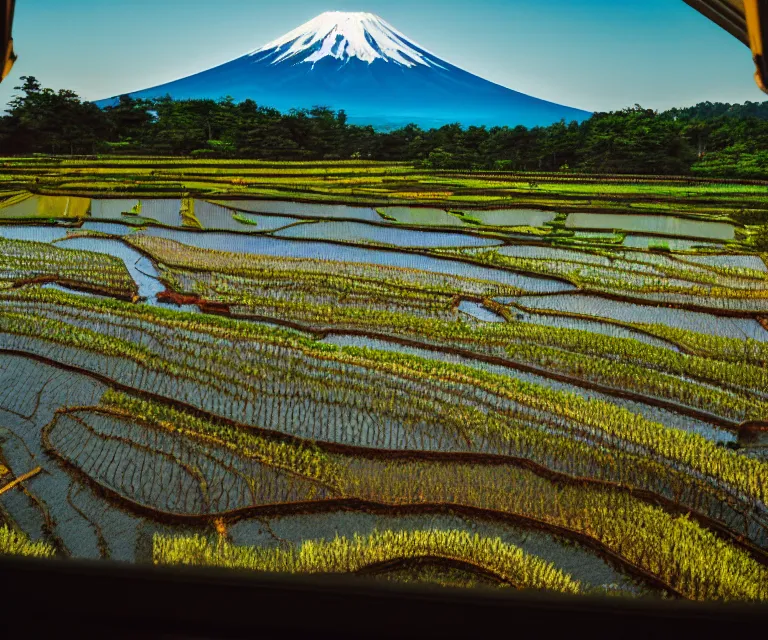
[[712, 139]]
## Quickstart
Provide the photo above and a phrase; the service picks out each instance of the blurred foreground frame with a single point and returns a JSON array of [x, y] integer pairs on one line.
[[746, 20], [6, 46], [115, 600]]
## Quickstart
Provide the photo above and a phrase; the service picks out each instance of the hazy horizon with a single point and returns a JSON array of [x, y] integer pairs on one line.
[[595, 54]]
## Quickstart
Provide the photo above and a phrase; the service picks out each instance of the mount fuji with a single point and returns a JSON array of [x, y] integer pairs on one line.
[[360, 63]]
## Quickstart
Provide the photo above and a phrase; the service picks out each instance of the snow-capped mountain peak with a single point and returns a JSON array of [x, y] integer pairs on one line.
[[361, 64], [345, 35]]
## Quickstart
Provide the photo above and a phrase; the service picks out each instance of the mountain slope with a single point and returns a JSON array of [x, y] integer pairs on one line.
[[359, 63]]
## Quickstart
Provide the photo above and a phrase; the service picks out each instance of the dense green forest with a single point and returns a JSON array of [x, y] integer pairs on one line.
[[710, 139]]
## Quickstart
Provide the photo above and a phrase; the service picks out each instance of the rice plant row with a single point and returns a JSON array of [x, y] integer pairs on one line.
[[718, 388], [705, 290], [569, 454], [381, 400], [328, 301], [176, 475], [343, 275], [601, 359], [673, 548], [740, 352], [444, 415], [677, 266], [508, 563], [22, 261], [15, 542], [266, 296]]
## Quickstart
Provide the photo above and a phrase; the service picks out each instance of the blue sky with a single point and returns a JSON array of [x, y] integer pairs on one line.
[[592, 54]]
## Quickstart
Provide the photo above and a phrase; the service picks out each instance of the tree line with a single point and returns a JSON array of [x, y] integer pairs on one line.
[[713, 139]]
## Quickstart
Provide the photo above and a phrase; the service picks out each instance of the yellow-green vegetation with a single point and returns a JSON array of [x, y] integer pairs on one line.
[[13, 198], [646, 369], [345, 555], [217, 326], [27, 206], [694, 451], [385, 216], [188, 217], [17, 543], [607, 516], [314, 274], [49, 207], [135, 210], [296, 290], [742, 353], [680, 552], [245, 219]]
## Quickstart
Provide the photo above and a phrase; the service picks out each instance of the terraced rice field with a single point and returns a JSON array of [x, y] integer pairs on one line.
[[443, 394]]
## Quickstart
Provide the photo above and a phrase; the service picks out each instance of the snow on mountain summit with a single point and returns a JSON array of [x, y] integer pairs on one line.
[[346, 35]]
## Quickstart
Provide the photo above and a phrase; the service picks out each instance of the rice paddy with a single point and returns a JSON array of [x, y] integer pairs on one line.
[[363, 369]]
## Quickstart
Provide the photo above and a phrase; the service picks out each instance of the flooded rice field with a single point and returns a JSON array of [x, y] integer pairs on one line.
[[379, 406]]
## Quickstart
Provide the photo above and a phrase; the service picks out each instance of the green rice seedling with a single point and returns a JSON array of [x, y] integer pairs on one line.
[[607, 516], [188, 217], [245, 219], [135, 210], [23, 261], [385, 215], [13, 542], [304, 460], [345, 555]]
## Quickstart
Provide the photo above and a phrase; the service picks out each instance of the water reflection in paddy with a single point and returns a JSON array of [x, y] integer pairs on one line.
[[666, 225], [424, 216], [112, 228], [593, 326], [35, 233], [220, 218], [164, 211], [360, 232], [675, 244], [513, 217], [756, 263]]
